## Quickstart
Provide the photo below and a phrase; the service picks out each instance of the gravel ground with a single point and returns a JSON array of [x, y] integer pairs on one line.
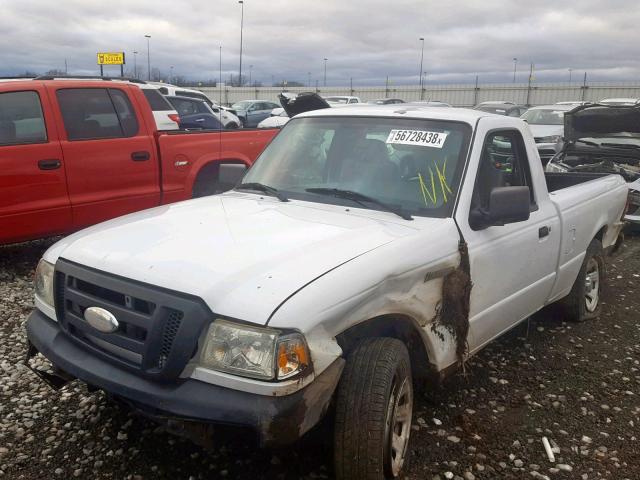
[[576, 384]]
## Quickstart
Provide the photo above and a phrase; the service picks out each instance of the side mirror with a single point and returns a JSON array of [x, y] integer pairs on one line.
[[506, 205]]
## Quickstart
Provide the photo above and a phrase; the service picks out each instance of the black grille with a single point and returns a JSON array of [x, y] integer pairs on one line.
[[151, 321], [168, 335]]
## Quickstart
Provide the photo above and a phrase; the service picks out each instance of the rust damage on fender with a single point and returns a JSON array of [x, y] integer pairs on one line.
[[452, 311]]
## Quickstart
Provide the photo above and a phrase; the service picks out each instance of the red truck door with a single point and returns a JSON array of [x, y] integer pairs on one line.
[[33, 190], [111, 161]]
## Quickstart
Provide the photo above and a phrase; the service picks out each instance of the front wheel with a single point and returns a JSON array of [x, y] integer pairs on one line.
[[583, 303], [374, 406]]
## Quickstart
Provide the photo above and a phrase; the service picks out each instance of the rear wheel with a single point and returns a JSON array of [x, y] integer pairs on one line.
[[583, 303], [374, 406], [231, 125]]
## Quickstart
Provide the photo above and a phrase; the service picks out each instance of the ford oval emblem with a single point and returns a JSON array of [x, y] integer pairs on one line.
[[102, 320]]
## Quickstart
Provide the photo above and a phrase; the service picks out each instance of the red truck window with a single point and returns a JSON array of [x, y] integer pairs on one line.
[[156, 101], [95, 113], [21, 119]]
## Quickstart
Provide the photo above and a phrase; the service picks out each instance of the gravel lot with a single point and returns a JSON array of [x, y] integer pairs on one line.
[[576, 384]]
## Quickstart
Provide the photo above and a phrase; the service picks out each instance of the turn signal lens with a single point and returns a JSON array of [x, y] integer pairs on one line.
[[293, 356]]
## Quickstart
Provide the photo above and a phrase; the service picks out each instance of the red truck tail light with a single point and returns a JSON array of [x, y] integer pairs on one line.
[[175, 117]]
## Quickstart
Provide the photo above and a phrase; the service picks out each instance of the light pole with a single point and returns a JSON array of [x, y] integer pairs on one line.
[[171, 74], [220, 78], [421, 61], [515, 66], [570, 75], [325, 72], [250, 70], [135, 64], [148, 37], [241, 2]]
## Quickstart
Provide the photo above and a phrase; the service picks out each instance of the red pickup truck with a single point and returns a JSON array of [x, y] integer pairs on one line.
[[76, 152]]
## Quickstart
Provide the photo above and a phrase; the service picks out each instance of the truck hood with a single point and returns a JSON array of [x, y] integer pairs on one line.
[[242, 254], [597, 121]]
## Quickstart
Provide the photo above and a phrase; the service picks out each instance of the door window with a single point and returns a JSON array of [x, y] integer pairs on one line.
[[96, 113], [21, 119], [503, 163], [184, 107]]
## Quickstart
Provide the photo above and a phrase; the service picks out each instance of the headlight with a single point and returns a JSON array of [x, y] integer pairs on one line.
[[255, 352], [44, 282], [549, 139]]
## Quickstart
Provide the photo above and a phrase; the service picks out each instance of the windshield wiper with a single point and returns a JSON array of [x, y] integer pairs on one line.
[[587, 142], [360, 198], [261, 187]]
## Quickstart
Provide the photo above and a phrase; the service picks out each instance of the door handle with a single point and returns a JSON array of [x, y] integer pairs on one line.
[[199, 119], [544, 231], [140, 156], [49, 164]]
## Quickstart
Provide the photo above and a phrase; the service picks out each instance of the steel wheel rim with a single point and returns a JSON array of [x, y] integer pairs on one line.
[[592, 285], [400, 410]]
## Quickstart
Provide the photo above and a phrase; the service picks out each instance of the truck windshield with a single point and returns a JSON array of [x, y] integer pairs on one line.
[[411, 164]]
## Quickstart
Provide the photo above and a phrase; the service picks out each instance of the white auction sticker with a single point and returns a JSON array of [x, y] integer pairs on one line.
[[417, 137]]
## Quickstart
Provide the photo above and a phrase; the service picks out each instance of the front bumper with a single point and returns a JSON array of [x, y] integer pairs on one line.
[[276, 420]]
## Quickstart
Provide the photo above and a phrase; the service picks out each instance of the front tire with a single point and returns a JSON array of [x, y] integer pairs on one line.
[[583, 303], [374, 407]]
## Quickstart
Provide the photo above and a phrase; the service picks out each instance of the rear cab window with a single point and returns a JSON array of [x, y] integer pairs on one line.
[[21, 118], [96, 113]]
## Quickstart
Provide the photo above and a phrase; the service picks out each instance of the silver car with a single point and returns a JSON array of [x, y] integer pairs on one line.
[[547, 126]]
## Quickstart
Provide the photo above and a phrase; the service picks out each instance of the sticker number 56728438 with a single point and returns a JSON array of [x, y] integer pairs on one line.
[[417, 137]]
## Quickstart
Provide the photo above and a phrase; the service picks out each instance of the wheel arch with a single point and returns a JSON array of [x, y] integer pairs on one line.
[[398, 326], [210, 169]]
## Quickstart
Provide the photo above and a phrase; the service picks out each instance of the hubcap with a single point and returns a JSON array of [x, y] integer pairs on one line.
[[592, 285], [399, 410]]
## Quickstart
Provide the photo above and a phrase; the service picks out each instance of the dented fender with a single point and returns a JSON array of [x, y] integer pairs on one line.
[[402, 278]]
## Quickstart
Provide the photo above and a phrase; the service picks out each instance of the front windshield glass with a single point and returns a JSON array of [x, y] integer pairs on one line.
[[408, 163], [241, 105], [337, 99], [544, 117]]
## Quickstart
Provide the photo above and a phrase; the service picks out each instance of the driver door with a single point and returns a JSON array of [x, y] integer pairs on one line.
[[513, 266]]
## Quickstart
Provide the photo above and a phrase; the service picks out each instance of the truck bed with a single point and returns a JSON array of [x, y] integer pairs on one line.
[[184, 153], [558, 181]]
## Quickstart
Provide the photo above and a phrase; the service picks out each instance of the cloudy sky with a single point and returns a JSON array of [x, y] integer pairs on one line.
[[366, 40]]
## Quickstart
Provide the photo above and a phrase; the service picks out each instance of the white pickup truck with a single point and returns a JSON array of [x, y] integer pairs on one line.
[[368, 247]]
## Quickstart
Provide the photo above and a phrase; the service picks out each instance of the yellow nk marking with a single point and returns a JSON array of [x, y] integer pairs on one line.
[[443, 179], [433, 195]]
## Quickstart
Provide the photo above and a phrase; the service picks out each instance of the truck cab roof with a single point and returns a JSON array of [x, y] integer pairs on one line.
[[465, 115]]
